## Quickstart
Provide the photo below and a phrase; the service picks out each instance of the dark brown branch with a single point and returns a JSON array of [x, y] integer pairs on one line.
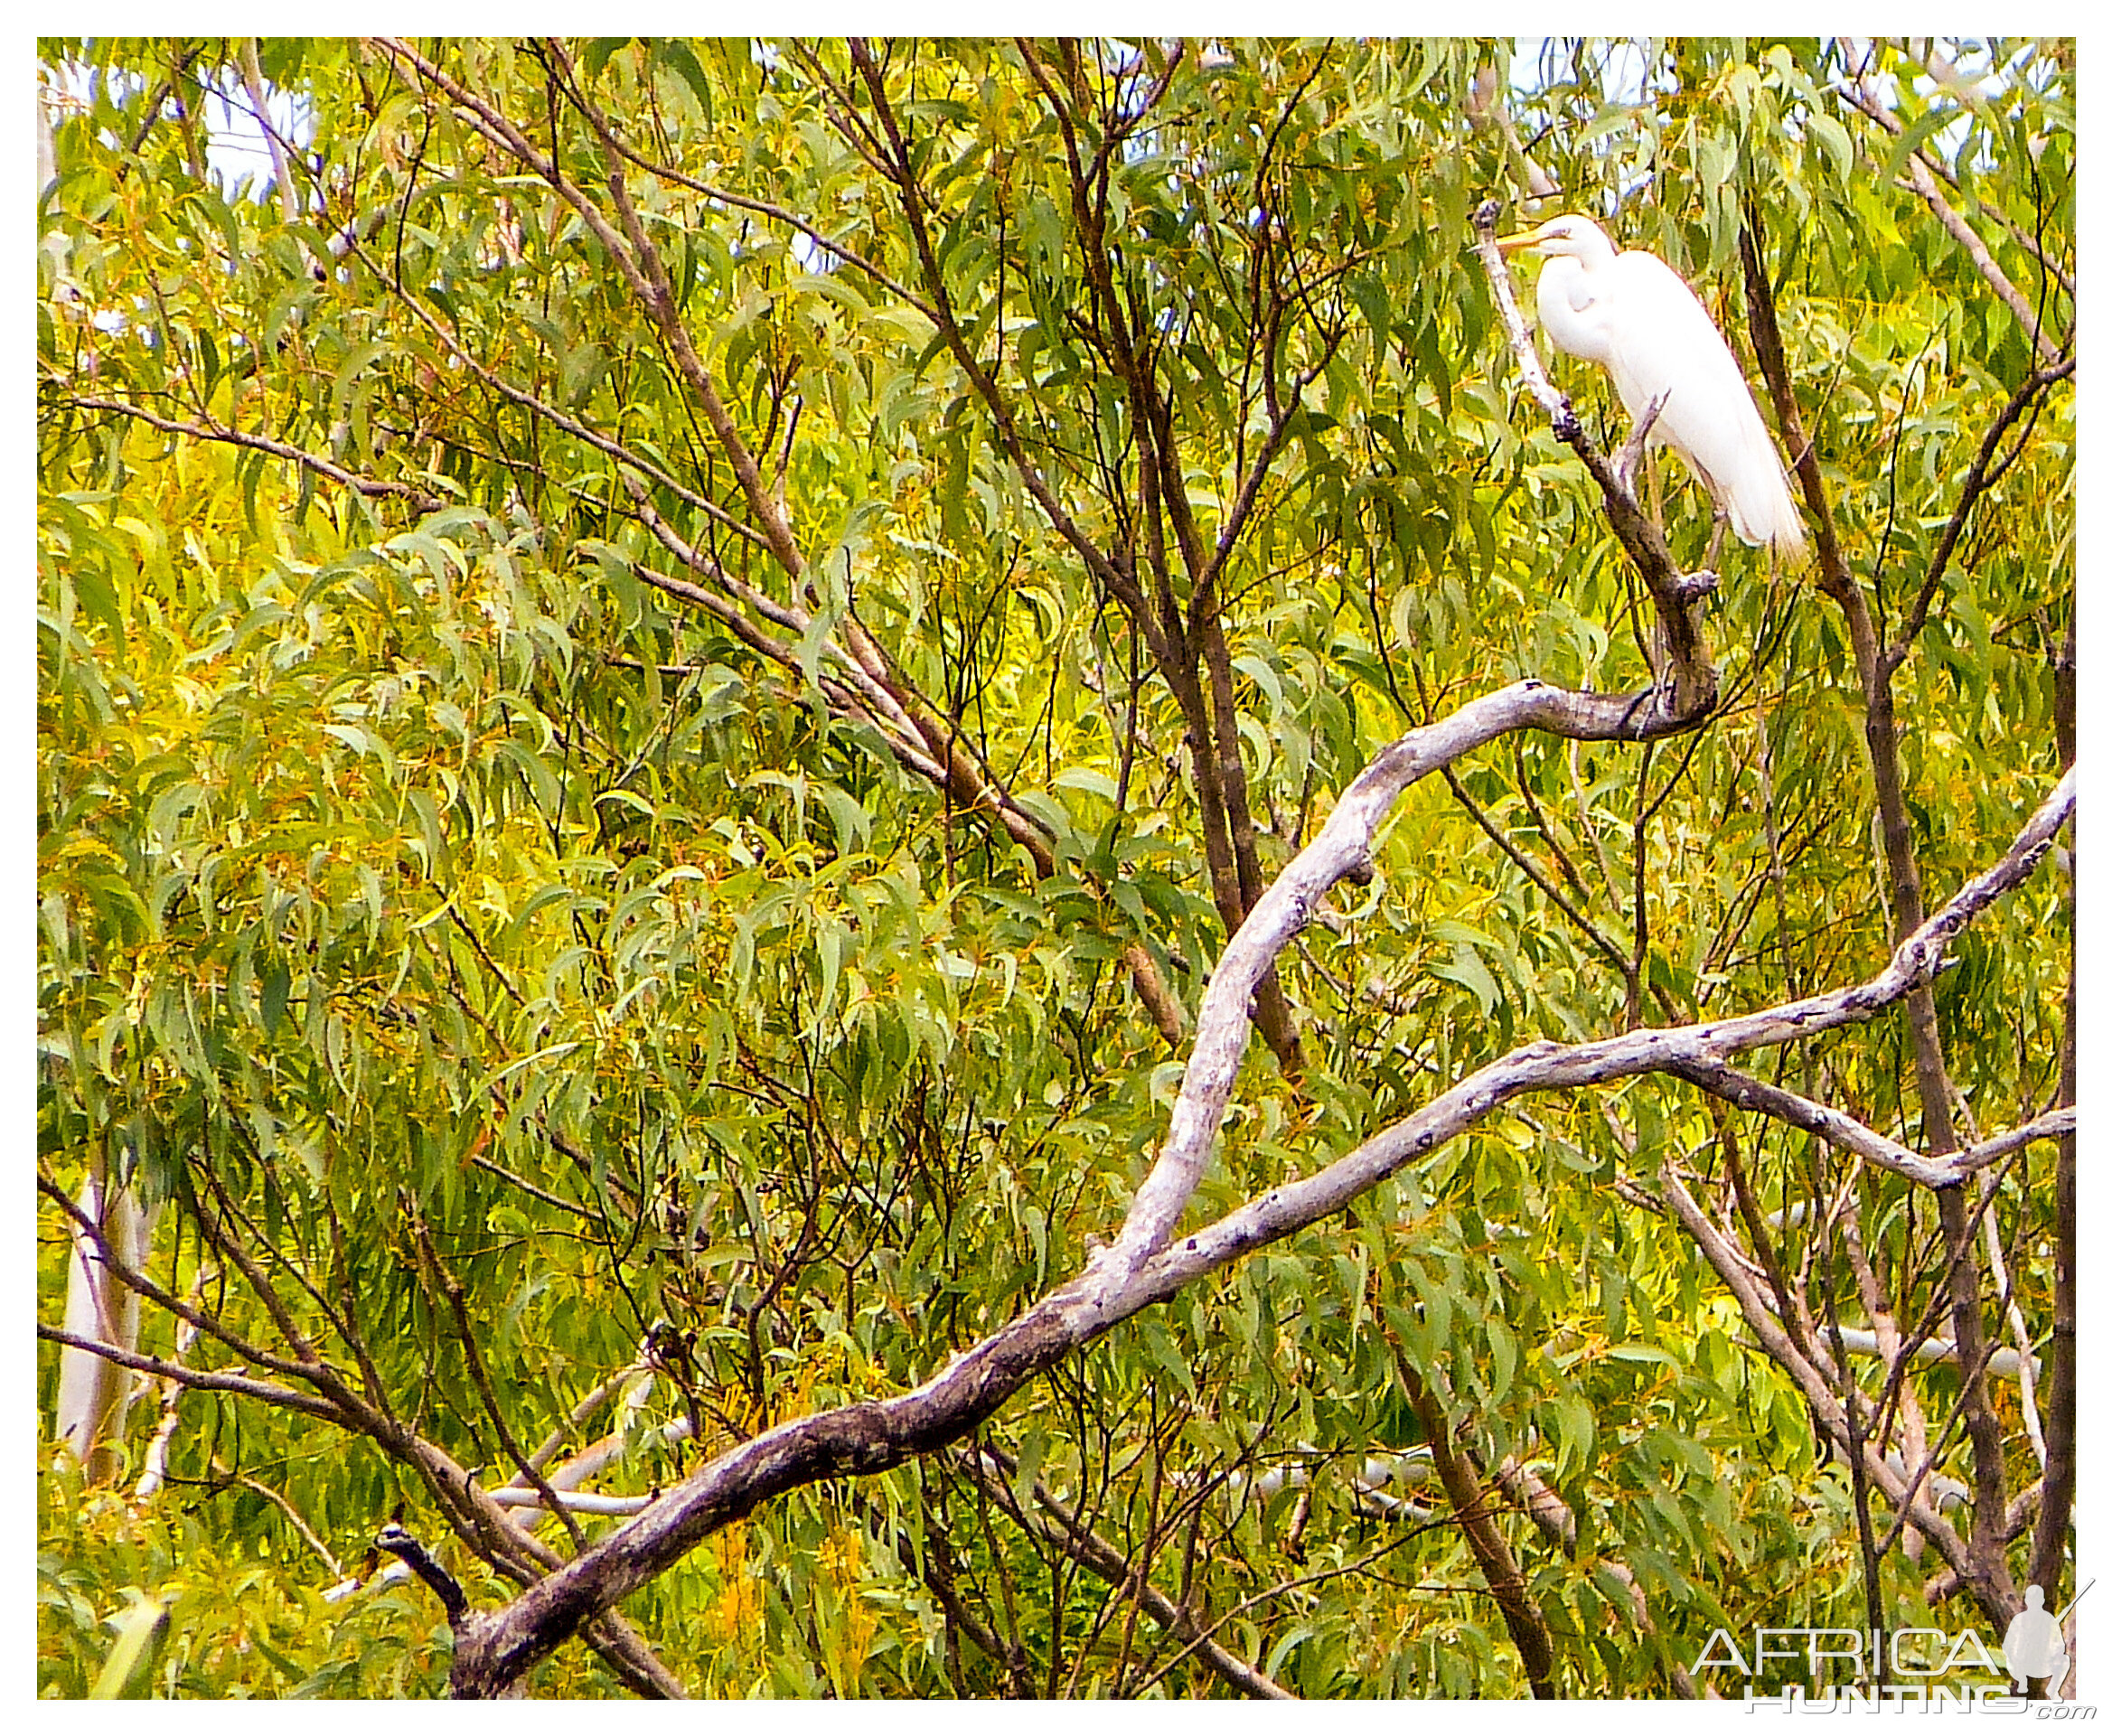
[[1552, 1514], [550, 413], [1531, 870], [530, 1473], [2057, 1502], [1766, 331], [210, 1380], [898, 170], [841, 248], [1904, 893], [1983, 474], [139, 1282], [1059, 1525], [1492, 1554]]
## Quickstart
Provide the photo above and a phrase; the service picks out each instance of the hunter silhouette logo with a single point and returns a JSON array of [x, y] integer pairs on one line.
[[2032, 1647]]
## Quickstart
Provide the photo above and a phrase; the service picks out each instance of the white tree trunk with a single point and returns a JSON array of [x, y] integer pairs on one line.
[[94, 1394]]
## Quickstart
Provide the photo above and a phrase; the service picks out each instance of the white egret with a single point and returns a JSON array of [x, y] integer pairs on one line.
[[1635, 316]]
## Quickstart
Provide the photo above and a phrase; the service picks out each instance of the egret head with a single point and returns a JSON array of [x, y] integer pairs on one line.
[[1578, 236]]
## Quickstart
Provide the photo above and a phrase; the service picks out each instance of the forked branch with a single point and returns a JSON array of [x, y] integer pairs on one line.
[[1147, 1263]]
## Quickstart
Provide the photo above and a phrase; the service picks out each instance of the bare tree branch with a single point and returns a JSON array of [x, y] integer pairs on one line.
[[209, 1380], [1145, 1265], [366, 486], [1492, 1554], [1057, 1523]]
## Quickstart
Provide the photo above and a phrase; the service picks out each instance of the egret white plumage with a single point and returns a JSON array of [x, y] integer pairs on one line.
[[1634, 315]]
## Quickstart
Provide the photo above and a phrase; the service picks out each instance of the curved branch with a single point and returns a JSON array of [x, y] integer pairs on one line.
[[1720, 1079], [1544, 1066], [1141, 1269], [1341, 851]]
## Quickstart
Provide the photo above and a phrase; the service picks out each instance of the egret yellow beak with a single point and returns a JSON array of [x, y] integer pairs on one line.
[[1512, 243]]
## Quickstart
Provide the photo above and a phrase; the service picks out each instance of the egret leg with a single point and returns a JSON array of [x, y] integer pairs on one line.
[[1716, 539], [1626, 460], [1624, 465]]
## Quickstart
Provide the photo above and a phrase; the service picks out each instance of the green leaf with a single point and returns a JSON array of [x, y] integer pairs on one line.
[[142, 1629]]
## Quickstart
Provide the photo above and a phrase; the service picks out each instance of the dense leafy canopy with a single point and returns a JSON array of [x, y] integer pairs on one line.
[[663, 667]]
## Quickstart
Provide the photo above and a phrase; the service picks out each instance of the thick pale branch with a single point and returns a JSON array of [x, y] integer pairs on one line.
[[861, 1439], [1544, 1066], [1342, 850], [1720, 1079], [2054, 1124]]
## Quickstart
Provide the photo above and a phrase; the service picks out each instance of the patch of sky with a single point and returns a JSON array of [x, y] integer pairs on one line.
[[1619, 75], [1550, 74], [238, 156]]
